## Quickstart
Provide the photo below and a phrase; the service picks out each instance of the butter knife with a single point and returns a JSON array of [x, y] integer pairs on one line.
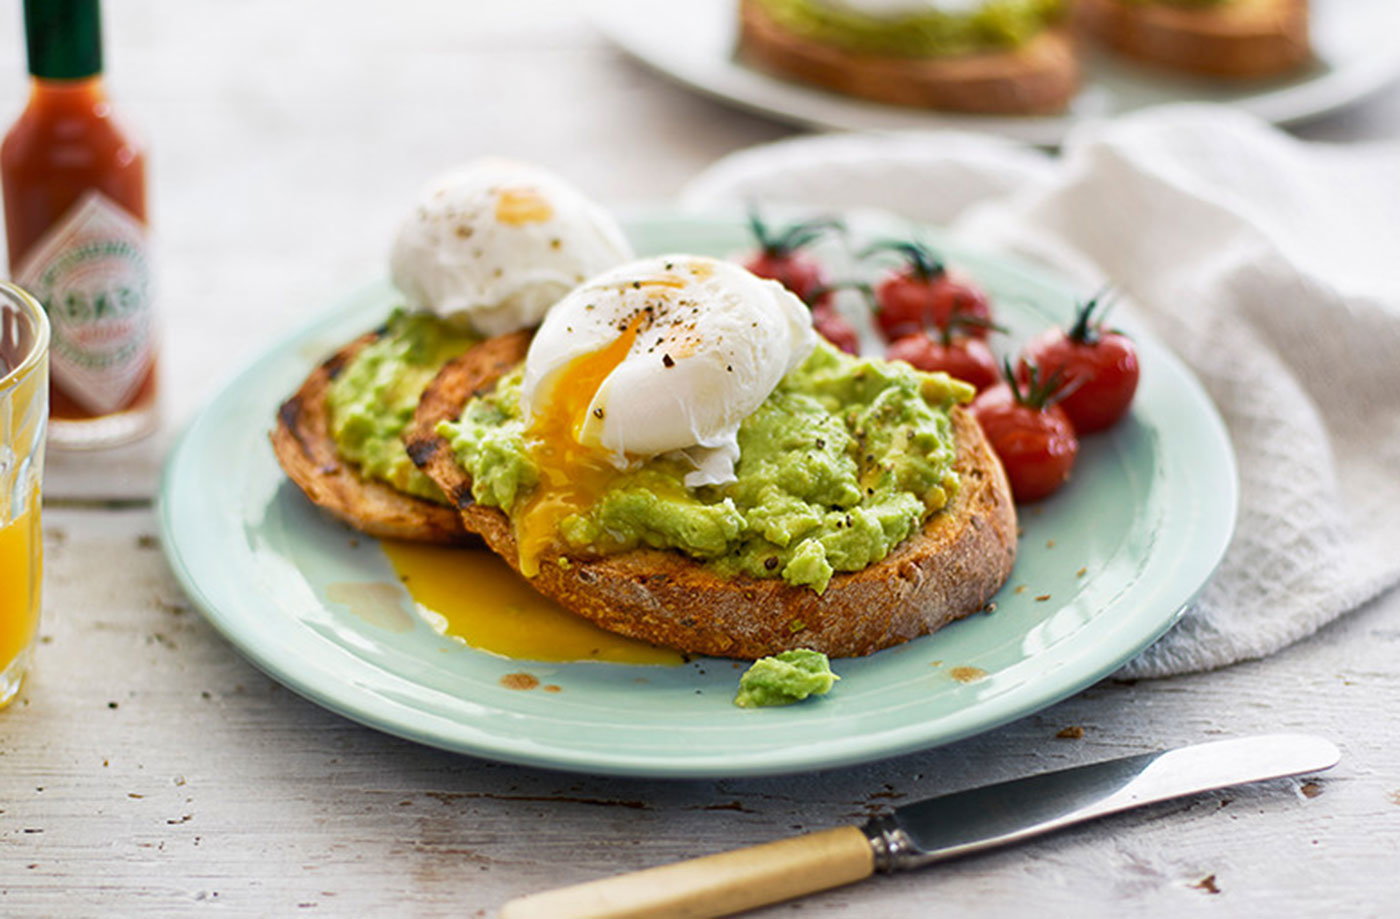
[[926, 831]]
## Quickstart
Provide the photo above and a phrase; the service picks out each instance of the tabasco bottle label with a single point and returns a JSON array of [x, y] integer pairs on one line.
[[90, 272]]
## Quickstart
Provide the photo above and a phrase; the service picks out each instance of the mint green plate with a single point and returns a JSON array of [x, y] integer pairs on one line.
[[1147, 517]]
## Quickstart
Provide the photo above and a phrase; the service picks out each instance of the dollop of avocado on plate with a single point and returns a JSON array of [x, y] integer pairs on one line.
[[785, 678]]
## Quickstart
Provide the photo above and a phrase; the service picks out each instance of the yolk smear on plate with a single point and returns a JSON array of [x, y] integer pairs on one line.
[[571, 475], [379, 604], [487, 605]]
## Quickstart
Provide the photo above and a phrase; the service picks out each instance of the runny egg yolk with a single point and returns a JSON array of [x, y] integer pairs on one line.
[[473, 596], [572, 475]]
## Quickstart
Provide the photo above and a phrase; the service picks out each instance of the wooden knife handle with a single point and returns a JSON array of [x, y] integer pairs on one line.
[[716, 885]]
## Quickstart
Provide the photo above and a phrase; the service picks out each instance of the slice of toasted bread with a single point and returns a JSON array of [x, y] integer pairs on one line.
[[307, 453], [1040, 77], [950, 569], [1244, 39]]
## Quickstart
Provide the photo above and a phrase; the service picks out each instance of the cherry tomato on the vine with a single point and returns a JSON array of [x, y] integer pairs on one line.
[[1095, 369], [835, 328], [780, 257], [1030, 434], [921, 294], [797, 271], [968, 359]]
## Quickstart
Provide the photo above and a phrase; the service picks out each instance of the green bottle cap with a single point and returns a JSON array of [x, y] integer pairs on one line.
[[64, 37]]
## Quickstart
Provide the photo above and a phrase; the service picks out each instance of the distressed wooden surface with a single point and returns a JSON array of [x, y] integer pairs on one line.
[[148, 769]]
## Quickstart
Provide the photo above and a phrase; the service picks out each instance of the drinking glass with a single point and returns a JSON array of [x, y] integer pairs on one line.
[[24, 412]]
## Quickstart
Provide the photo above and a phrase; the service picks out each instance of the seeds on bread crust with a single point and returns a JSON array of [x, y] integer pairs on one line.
[[307, 453], [950, 569]]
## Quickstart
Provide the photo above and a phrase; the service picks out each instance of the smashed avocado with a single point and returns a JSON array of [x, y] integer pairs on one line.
[[996, 25], [846, 458], [785, 678], [373, 397]]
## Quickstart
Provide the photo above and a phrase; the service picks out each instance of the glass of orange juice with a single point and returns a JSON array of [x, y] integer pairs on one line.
[[24, 412]]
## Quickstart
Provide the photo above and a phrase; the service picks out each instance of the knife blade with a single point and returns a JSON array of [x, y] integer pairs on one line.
[[927, 831], [969, 821]]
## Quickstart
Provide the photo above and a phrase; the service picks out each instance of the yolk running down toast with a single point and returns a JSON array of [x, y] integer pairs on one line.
[[572, 475]]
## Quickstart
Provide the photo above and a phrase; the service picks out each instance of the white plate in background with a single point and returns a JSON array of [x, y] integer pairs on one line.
[[693, 42]]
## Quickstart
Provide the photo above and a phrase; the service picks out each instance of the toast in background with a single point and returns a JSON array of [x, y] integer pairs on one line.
[[1039, 77], [1239, 39]]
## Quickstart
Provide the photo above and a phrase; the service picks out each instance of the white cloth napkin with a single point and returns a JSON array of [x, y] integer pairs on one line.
[[1271, 265]]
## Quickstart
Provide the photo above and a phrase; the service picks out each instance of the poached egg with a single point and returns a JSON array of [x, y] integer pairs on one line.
[[663, 356], [497, 243]]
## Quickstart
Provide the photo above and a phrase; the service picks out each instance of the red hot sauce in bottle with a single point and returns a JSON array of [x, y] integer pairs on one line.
[[75, 219]]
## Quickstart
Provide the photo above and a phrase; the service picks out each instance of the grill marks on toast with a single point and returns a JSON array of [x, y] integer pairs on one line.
[[471, 374], [307, 453]]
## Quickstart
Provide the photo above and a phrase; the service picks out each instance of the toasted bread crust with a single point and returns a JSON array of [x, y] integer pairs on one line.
[[1038, 78], [307, 453], [949, 570], [472, 373], [1252, 39]]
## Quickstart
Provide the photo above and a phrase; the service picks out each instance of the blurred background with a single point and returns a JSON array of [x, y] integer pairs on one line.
[[286, 138]]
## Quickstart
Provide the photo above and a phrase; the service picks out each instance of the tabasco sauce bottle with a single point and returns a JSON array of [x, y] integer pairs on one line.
[[75, 220]]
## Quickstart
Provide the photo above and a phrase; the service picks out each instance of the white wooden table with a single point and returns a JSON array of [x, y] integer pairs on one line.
[[148, 769]]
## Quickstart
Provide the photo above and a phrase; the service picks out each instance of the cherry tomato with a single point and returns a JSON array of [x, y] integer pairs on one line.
[[835, 328], [1031, 435], [780, 257], [797, 271], [966, 358], [922, 294], [1095, 369]]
